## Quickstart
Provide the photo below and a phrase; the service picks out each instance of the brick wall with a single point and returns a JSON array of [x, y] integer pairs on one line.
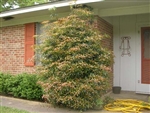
[[12, 46], [106, 28], [12, 50]]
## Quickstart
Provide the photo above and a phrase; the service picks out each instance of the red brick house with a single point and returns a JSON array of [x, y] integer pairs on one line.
[[126, 21]]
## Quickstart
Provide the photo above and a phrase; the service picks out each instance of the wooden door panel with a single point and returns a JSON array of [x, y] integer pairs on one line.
[[145, 39]]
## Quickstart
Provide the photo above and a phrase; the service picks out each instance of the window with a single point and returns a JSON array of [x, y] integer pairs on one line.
[[38, 41], [32, 58]]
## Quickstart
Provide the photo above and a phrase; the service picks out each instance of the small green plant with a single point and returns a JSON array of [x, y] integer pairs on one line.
[[5, 79], [27, 87], [107, 100], [100, 103], [21, 86]]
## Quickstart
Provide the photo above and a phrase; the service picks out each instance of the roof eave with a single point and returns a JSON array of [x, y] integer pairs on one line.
[[44, 7]]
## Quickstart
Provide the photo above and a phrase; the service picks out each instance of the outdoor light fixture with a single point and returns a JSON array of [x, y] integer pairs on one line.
[[46, 6]]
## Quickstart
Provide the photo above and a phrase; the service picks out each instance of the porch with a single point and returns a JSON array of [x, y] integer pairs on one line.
[[130, 95]]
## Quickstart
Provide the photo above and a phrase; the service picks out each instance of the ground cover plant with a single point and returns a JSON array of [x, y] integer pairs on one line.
[[75, 68], [4, 109]]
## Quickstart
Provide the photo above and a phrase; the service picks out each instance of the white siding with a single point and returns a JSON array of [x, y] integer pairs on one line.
[[125, 68]]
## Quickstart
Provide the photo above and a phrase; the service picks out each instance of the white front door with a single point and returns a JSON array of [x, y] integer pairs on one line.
[[143, 74]]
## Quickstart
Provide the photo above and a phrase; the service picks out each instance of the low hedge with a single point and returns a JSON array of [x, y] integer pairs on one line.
[[21, 86]]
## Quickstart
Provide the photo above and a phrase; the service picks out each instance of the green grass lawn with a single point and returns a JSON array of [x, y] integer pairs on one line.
[[11, 110]]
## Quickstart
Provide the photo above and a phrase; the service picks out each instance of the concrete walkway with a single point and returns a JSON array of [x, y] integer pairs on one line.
[[39, 107]]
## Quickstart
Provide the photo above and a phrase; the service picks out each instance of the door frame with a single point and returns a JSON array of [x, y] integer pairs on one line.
[[140, 88]]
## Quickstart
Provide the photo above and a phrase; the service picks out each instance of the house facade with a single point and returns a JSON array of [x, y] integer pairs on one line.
[[126, 21]]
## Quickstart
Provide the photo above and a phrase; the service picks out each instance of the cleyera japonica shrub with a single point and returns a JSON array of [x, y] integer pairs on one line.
[[21, 86], [75, 68], [27, 87], [4, 78]]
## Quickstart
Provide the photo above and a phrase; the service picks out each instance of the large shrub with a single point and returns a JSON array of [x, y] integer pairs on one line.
[[75, 68]]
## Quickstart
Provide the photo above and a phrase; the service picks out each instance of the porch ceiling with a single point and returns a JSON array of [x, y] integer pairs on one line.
[[119, 3], [104, 9], [122, 7]]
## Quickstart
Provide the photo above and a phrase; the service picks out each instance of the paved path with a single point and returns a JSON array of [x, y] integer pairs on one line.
[[38, 107]]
